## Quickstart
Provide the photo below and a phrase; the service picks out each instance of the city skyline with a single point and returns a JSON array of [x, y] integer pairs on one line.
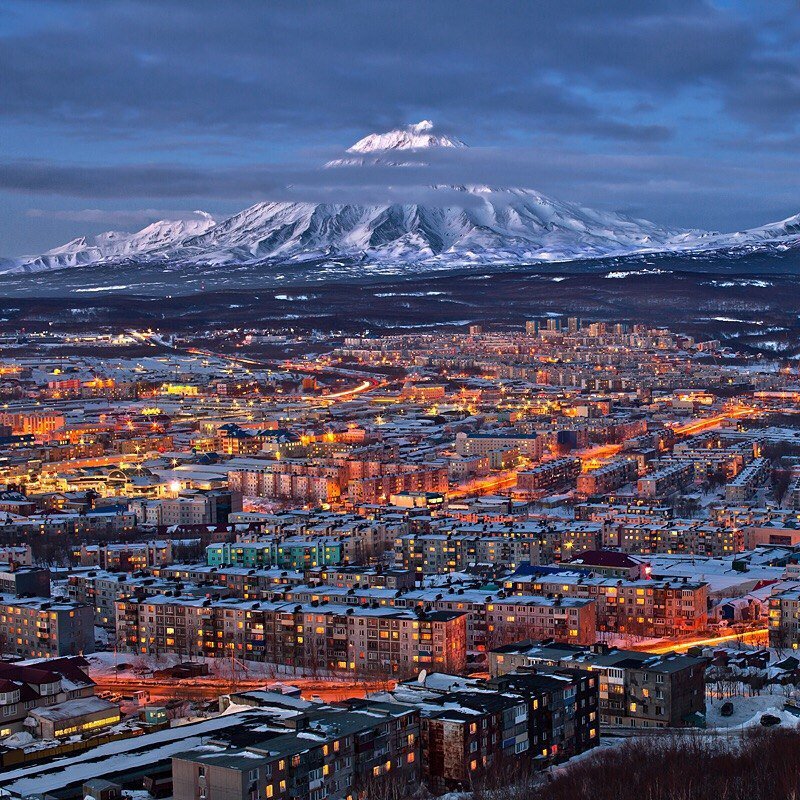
[[399, 400]]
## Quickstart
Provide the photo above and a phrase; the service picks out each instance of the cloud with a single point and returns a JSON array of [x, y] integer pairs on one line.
[[244, 66], [636, 183], [112, 217]]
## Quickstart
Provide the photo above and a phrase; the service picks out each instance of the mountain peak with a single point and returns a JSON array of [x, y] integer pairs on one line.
[[417, 136]]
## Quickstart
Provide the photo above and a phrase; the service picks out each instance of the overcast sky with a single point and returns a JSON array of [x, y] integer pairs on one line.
[[115, 113]]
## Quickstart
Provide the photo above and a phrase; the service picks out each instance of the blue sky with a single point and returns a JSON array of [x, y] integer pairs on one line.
[[115, 113]]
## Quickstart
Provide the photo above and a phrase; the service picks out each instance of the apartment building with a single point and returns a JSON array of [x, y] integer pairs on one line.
[[355, 576], [42, 425], [20, 555], [472, 728], [784, 619], [36, 627], [491, 617], [101, 590], [289, 479], [311, 636], [438, 552], [402, 478], [95, 523], [190, 508], [742, 488], [482, 444], [570, 714], [669, 478], [607, 478], [24, 581], [793, 492], [244, 582], [47, 684], [636, 689], [289, 553], [125, 557], [323, 752], [693, 537], [556, 474], [639, 607], [564, 619]]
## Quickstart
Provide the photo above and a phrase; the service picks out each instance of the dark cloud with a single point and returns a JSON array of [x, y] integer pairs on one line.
[[236, 65]]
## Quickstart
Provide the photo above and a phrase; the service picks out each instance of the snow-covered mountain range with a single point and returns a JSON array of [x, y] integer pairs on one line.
[[450, 226], [115, 245]]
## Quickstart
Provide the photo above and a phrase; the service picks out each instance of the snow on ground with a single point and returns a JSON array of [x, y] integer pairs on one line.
[[105, 664], [747, 711]]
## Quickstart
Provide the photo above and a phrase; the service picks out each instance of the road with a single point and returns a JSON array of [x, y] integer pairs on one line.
[[210, 688], [709, 423], [599, 453], [366, 382], [488, 485], [758, 636], [593, 457]]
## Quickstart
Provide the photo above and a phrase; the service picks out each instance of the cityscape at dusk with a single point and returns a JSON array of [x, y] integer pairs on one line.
[[399, 401]]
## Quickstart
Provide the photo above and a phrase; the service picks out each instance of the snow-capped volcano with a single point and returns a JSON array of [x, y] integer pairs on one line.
[[381, 149], [449, 226], [412, 137], [471, 224]]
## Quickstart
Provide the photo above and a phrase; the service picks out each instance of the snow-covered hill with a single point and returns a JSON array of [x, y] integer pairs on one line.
[[114, 245], [455, 225]]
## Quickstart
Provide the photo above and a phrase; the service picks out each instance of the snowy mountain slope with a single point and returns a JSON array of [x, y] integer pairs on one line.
[[456, 225], [484, 226], [114, 245]]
